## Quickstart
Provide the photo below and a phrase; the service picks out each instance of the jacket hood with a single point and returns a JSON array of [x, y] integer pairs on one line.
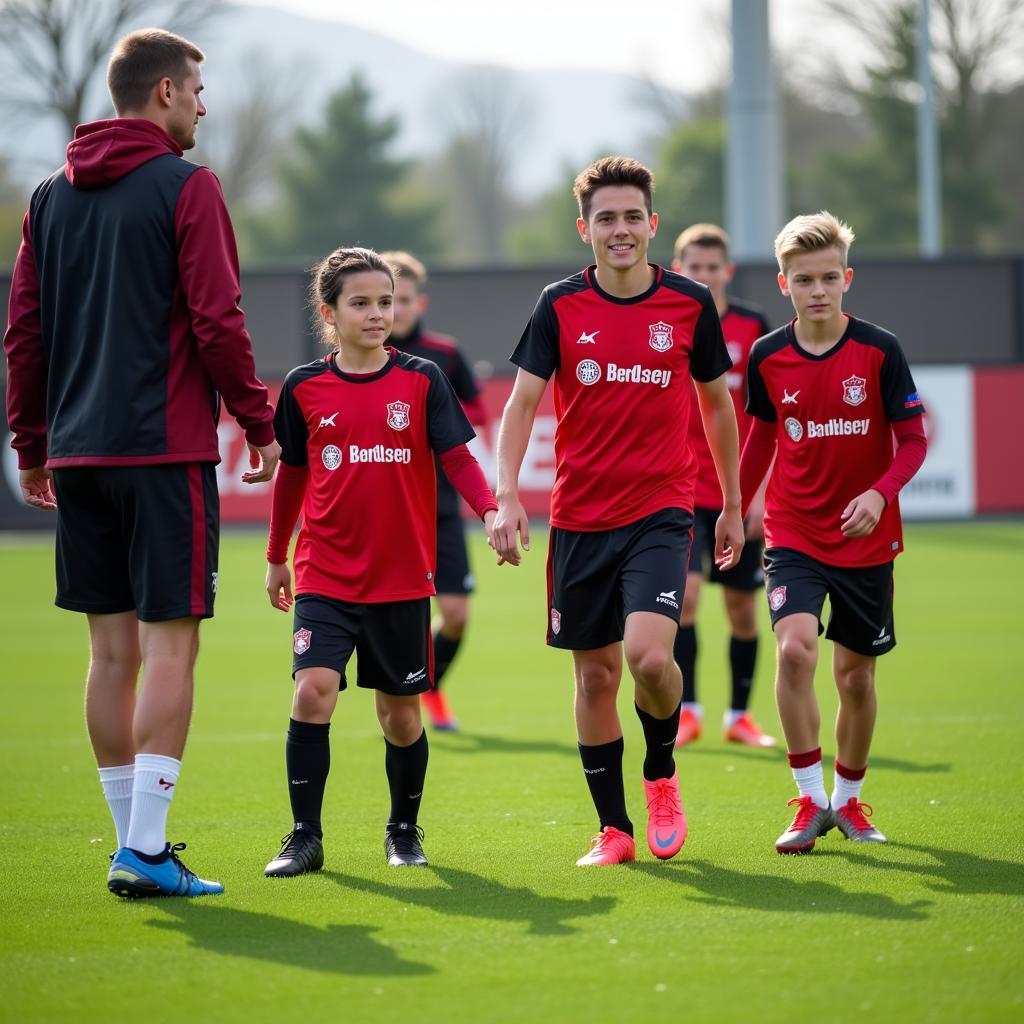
[[103, 152]]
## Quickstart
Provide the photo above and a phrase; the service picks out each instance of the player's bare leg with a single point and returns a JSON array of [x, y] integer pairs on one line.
[[163, 710], [597, 673], [855, 724], [447, 628], [691, 715], [741, 611], [405, 760], [316, 695], [796, 638], [648, 642]]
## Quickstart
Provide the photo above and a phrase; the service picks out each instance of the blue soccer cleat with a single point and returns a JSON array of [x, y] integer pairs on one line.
[[132, 877]]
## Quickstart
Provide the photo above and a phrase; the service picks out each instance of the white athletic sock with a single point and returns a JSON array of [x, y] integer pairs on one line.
[[845, 789], [117, 788], [156, 778], [809, 781], [694, 709], [729, 718]]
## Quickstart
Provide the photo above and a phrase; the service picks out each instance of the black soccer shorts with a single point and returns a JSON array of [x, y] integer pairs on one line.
[[596, 579], [746, 574], [138, 538], [453, 575], [394, 649], [861, 600]]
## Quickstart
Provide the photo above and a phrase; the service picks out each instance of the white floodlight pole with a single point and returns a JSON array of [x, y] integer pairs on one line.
[[929, 188]]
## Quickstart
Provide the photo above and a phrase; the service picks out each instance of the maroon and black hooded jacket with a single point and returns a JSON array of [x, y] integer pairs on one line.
[[124, 329]]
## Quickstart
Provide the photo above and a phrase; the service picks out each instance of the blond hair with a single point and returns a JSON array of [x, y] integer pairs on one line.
[[709, 235], [810, 232], [406, 267]]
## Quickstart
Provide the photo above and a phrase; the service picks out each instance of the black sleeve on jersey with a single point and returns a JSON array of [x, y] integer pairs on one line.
[[462, 378], [290, 425], [537, 351], [758, 402], [899, 392], [447, 426], [709, 358]]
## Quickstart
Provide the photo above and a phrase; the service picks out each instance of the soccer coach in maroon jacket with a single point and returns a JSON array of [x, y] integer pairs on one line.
[[124, 335]]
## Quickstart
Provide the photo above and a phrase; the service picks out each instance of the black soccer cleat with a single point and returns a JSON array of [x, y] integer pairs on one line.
[[402, 845], [301, 852]]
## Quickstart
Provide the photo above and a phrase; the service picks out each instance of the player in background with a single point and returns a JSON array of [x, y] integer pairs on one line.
[[124, 335], [623, 340], [454, 579], [358, 430], [829, 393], [702, 254]]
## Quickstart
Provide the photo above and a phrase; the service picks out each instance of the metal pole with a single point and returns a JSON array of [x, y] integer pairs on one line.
[[754, 176], [929, 187]]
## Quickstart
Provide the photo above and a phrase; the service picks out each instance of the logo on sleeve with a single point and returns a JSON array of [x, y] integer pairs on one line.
[[588, 372], [794, 428], [661, 336], [303, 637], [913, 401], [331, 456], [587, 339], [777, 598], [398, 415], [855, 390]]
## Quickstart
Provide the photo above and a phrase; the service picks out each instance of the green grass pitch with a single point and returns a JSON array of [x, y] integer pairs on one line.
[[502, 927]]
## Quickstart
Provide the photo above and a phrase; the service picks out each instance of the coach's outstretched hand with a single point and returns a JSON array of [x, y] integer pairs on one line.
[[263, 461], [511, 518], [37, 488], [279, 586], [729, 535]]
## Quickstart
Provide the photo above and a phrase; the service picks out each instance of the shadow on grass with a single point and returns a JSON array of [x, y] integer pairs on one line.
[[469, 895], [762, 754], [722, 887], [896, 764], [336, 949], [950, 871], [479, 743]]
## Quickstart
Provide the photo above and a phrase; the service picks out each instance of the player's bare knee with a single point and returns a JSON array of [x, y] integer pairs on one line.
[[796, 657], [597, 683], [649, 665], [400, 722], [313, 697], [856, 684]]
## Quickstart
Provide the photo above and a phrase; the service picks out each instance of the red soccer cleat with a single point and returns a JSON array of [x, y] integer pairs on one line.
[[609, 846], [666, 819], [746, 731], [689, 728], [441, 717]]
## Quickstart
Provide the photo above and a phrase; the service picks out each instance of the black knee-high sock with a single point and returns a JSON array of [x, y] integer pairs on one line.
[[686, 659], [602, 766], [742, 658], [444, 654], [307, 755], [660, 734], [406, 768]]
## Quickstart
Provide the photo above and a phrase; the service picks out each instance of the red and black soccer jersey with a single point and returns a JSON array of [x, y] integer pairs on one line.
[[834, 439], [369, 518], [742, 325], [623, 370]]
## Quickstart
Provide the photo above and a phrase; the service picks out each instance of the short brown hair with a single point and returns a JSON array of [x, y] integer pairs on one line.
[[810, 232], [708, 235], [141, 59], [406, 267], [329, 278], [612, 170]]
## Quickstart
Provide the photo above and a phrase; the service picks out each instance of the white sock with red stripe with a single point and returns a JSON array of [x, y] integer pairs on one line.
[[808, 776], [117, 788], [848, 783], [156, 778]]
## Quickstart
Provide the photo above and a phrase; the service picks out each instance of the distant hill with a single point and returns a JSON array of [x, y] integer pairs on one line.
[[574, 113]]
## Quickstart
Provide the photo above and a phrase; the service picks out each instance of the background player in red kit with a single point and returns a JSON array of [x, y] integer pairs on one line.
[[454, 579], [702, 254], [358, 432], [828, 393], [623, 340]]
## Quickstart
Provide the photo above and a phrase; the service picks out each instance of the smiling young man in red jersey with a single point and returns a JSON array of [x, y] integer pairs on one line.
[[623, 340], [702, 254], [828, 394]]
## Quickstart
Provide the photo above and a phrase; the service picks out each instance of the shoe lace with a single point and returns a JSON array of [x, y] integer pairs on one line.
[[185, 876], [857, 814], [663, 803], [405, 840], [805, 812], [606, 838]]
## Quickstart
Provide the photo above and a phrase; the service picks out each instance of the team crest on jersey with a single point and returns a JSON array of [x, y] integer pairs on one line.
[[303, 637], [588, 372], [777, 598], [556, 621], [794, 428], [331, 456], [855, 390], [398, 415], [661, 336]]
